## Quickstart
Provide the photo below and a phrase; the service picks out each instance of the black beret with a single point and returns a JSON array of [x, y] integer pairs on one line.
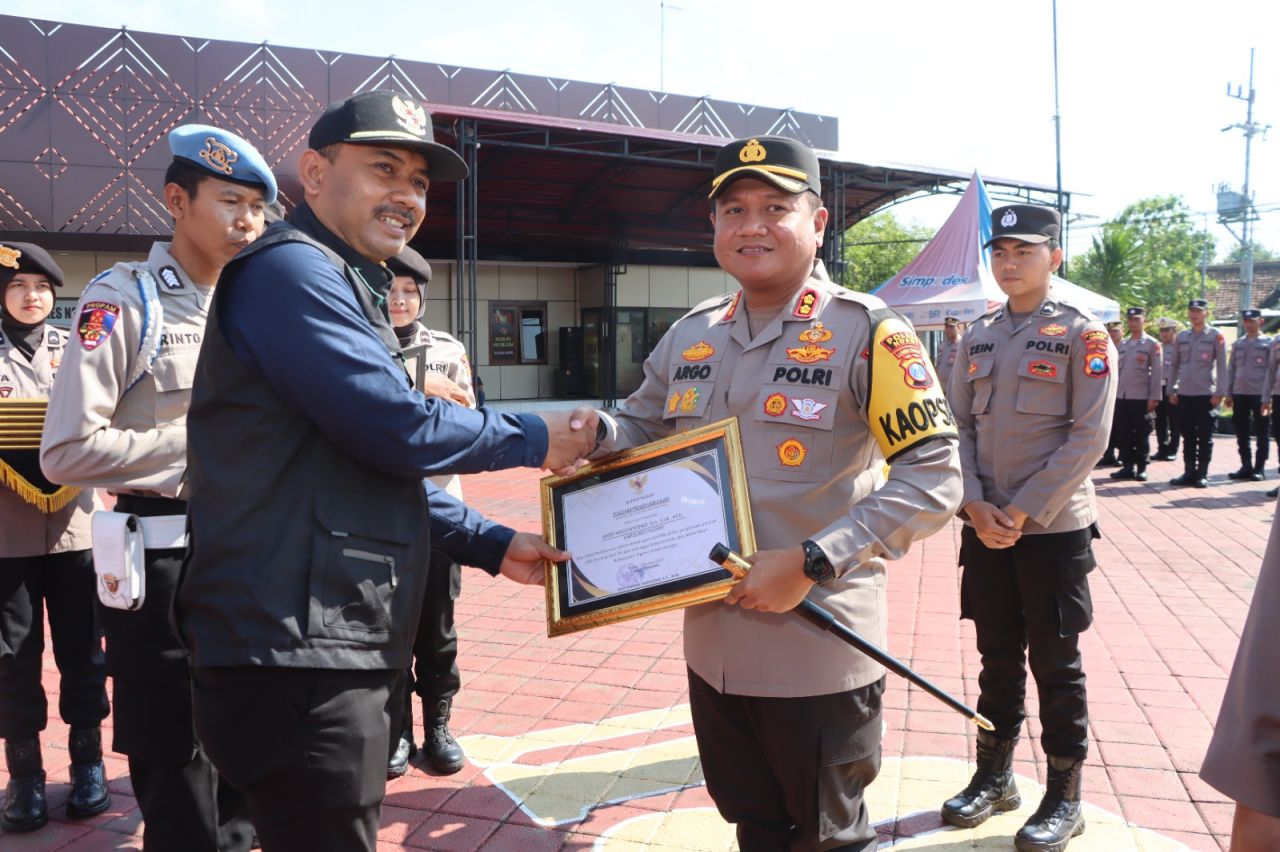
[[27, 257]]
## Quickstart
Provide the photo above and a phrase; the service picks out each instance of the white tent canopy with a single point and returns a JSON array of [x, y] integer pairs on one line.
[[951, 277]]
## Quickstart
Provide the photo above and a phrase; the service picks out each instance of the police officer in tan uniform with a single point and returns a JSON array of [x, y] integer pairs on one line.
[[1137, 395], [1271, 397], [117, 420], [1246, 380], [1033, 394], [1199, 374], [445, 373], [787, 719], [1167, 436], [1243, 760], [45, 564], [952, 332], [1111, 458]]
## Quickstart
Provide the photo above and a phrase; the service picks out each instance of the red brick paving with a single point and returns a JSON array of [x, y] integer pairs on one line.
[[1175, 576]]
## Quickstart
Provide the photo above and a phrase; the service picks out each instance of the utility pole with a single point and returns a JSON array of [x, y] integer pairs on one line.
[[663, 6], [1233, 207], [1057, 131]]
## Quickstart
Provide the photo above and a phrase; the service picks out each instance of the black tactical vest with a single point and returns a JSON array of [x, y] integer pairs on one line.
[[298, 555]]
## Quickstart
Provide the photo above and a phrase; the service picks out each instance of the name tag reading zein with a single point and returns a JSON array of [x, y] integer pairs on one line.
[[640, 524]]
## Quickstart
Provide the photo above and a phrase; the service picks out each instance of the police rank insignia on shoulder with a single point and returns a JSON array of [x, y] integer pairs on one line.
[[733, 307], [700, 351], [806, 304], [906, 405], [97, 319]]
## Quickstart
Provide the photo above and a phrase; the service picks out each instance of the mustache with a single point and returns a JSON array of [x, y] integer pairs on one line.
[[407, 213]]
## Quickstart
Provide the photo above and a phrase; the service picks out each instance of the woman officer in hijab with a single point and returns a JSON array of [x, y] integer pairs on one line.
[[45, 563]]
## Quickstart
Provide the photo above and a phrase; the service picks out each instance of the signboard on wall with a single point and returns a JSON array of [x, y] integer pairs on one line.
[[63, 313], [502, 335]]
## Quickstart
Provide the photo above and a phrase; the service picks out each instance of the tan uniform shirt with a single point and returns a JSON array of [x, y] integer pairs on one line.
[[1033, 400], [1170, 353], [1271, 387], [1141, 369], [813, 469], [947, 353], [102, 433], [1243, 760], [445, 355], [1200, 362], [1247, 370], [24, 529]]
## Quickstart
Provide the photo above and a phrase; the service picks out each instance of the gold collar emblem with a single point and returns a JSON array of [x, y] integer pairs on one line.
[[752, 152], [817, 334], [219, 157]]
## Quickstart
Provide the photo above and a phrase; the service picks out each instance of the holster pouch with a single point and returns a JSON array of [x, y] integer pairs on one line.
[[119, 560]]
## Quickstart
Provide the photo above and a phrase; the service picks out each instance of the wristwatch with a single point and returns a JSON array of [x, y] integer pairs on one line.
[[817, 567]]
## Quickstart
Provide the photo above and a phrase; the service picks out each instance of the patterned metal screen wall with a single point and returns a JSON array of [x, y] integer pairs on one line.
[[84, 112]]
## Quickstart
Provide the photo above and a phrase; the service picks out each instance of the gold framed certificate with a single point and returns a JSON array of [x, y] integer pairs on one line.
[[640, 524]]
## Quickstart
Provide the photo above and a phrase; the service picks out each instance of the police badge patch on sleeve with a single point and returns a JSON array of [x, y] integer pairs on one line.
[[906, 405], [97, 319]]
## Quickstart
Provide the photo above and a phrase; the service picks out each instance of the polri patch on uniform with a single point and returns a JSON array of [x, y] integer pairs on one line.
[[905, 347], [97, 319], [169, 277], [1043, 368], [1095, 336], [806, 304], [1053, 330], [1095, 365], [816, 333], [775, 405], [807, 408], [810, 353], [700, 351], [792, 453]]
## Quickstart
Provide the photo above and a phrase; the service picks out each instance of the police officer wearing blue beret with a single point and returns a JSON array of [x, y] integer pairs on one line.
[[117, 421], [311, 525]]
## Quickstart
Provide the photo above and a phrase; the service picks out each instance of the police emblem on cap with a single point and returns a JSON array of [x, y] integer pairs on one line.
[[9, 257], [752, 152], [412, 117], [1009, 219], [218, 156]]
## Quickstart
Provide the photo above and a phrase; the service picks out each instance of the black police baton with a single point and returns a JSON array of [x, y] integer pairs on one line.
[[825, 620]]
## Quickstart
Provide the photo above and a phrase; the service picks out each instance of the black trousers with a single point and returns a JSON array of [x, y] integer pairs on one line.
[[790, 772], [1275, 423], [1134, 425], [183, 805], [1028, 603], [308, 747], [1113, 442], [1168, 431], [64, 584], [1250, 422], [1195, 418], [435, 649]]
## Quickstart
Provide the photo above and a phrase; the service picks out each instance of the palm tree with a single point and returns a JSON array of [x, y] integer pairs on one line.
[[1112, 265]]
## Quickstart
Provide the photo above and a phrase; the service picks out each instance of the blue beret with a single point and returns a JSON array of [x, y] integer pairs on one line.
[[222, 155]]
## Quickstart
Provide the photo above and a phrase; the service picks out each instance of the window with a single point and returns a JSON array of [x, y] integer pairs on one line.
[[517, 333]]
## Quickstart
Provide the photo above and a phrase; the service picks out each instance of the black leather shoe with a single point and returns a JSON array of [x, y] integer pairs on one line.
[[1184, 480], [1140, 474], [1122, 473], [1257, 476], [26, 807], [992, 788], [1107, 461], [444, 755], [1163, 457], [1273, 493], [398, 765], [1058, 819], [89, 795], [1201, 482], [1244, 472]]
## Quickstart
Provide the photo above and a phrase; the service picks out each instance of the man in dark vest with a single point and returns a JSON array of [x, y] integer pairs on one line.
[[310, 522]]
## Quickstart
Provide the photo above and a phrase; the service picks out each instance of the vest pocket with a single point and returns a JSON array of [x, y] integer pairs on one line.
[[358, 557]]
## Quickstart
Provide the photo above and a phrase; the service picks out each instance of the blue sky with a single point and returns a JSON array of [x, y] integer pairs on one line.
[[945, 83]]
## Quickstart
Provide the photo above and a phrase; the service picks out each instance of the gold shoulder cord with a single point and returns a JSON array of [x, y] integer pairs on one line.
[[21, 422]]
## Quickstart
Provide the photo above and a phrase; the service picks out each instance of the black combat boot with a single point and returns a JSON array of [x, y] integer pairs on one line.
[[444, 755], [1125, 472], [991, 789], [1058, 819], [1245, 471], [26, 808], [1140, 473], [89, 794], [399, 763]]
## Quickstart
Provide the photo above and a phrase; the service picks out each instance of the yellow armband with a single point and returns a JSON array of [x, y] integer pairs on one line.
[[905, 402]]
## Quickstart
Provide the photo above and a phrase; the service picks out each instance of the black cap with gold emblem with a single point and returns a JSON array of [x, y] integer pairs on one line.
[[785, 163], [387, 118], [27, 257], [1025, 222]]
